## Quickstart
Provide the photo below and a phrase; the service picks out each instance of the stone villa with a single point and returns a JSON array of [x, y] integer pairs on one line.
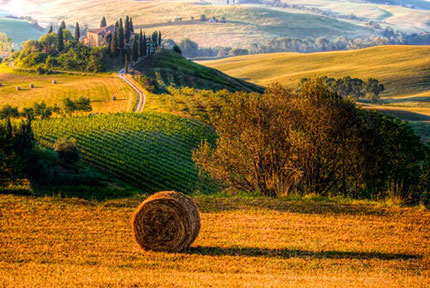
[[97, 37]]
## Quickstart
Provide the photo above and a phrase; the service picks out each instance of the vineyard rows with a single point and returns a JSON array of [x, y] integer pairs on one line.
[[151, 150]]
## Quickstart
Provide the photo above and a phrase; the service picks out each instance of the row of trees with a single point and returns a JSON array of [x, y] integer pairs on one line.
[[312, 140], [127, 44], [354, 88], [43, 111]]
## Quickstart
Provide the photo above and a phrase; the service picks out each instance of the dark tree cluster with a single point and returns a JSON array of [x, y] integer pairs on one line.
[[16, 151], [312, 140], [131, 46], [354, 88]]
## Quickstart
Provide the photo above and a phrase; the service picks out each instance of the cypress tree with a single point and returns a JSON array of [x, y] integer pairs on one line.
[[126, 63], [114, 47], [103, 22], [116, 24], [121, 35], [159, 38], [131, 25], [60, 46], [145, 48], [50, 29], [155, 39], [141, 53], [135, 50], [127, 33], [77, 32], [63, 25]]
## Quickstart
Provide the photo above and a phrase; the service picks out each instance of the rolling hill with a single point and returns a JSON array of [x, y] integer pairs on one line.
[[404, 70], [244, 23], [19, 30], [170, 69], [149, 150]]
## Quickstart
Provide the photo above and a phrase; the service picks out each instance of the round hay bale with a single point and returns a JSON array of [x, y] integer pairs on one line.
[[114, 98], [1, 84], [31, 86], [18, 88], [166, 221], [54, 81]]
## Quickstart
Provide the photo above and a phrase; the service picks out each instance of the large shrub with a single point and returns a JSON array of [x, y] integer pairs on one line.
[[67, 150], [312, 140]]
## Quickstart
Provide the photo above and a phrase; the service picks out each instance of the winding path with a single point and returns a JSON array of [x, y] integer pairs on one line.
[[142, 97]]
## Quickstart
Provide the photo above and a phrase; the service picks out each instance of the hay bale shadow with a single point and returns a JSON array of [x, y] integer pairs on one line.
[[296, 253]]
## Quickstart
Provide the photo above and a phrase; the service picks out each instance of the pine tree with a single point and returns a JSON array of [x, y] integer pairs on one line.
[[103, 22], [159, 38], [63, 25], [140, 44], [77, 32], [127, 33], [131, 25], [135, 50], [60, 46], [145, 46], [121, 35], [50, 29]]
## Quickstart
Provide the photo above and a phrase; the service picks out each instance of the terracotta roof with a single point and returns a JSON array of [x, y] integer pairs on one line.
[[103, 30]]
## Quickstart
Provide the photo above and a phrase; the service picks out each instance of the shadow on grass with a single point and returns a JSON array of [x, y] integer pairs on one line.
[[294, 253], [217, 205]]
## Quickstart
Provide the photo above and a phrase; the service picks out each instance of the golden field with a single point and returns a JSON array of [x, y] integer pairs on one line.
[[99, 88], [404, 70], [256, 242]]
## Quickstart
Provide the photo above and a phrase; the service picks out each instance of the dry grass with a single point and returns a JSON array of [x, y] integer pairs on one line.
[[100, 89], [243, 242], [402, 69]]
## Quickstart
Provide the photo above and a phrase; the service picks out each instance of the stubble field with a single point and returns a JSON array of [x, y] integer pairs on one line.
[[243, 242]]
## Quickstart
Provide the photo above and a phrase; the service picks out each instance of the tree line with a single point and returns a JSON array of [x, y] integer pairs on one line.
[[43, 111]]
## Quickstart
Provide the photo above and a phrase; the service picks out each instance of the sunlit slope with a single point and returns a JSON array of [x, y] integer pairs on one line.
[[99, 88], [404, 70], [245, 23]]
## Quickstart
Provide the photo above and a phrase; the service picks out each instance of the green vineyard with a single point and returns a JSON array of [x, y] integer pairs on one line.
[[150, 150]]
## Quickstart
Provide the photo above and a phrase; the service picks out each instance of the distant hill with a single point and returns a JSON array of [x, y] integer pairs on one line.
[[19, 31], [170, 69], [404, 70]]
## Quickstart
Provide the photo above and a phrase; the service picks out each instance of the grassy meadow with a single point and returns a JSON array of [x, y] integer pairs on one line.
[[99, 88], [252, 242]]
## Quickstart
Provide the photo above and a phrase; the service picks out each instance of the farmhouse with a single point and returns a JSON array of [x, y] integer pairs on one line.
[[97, 37]]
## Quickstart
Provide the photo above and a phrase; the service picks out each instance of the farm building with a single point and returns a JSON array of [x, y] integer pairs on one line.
[[97, 37]]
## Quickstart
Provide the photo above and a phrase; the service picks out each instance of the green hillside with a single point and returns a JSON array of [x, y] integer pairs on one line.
[[149, 150], [170, 69], [404, 70], [18, 30]]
